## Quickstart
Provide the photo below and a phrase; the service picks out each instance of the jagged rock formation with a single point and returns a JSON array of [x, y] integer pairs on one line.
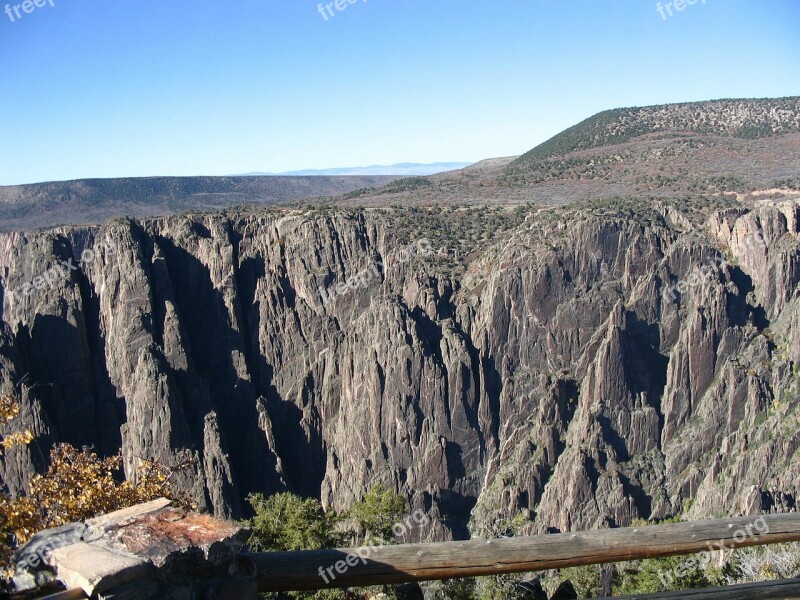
[[576, 370]]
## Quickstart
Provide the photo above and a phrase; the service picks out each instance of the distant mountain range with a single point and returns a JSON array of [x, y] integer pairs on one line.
[[401, 169]]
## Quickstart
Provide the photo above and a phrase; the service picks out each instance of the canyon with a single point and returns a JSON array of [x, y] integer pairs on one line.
[[530, 375]]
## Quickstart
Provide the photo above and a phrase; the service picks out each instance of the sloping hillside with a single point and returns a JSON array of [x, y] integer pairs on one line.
[[671, 151], [749, 119], [89, 201]]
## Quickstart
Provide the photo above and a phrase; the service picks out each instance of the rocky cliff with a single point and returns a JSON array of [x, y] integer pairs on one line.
[[575, 367]]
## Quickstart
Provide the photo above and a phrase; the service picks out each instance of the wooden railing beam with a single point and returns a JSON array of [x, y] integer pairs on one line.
[[358, 567], [788, 589]]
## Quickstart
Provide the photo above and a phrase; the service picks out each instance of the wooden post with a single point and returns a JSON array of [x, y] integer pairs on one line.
[[769, 590], [358, 567]]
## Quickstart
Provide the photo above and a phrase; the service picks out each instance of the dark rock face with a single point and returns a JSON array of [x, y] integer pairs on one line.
[[579, 372]]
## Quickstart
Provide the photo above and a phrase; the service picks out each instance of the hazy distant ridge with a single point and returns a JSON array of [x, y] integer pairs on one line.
[[401, 169], [95, 200]]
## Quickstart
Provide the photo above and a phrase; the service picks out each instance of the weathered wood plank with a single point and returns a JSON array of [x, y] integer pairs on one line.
[[74, 594], [773, 590], [357, 567]]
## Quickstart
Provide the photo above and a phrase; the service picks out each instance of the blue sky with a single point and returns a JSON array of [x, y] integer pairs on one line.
[[112, 88]]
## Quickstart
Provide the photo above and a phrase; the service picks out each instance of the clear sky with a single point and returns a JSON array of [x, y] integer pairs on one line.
[[111, 88]]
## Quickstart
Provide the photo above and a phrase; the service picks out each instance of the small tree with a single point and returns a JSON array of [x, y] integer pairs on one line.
[[377, 513], [286, 522]]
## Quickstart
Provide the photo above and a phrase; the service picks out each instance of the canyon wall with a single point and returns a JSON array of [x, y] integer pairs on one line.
[[589, 366]]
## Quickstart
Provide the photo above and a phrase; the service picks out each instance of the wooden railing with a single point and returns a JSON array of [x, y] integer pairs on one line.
[[359, 567], [773, 590]]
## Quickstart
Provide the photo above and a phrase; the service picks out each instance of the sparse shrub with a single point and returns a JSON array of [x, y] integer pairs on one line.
[[504, 587], [456, 589], [767, 563], [789, 184]]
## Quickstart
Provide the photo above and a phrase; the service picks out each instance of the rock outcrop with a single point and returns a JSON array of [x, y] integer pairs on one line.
[[587, 367], [147, 551]]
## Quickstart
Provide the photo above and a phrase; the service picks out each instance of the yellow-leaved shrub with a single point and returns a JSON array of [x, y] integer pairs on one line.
[[77, 485]]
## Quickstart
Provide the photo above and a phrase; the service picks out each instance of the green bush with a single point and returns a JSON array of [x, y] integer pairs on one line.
[[377, 512], [585, 580], [287, 522], [664, 574]]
